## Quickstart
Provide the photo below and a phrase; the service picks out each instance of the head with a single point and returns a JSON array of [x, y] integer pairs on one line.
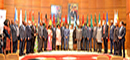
[[54, 25], [67, 26], [85, 24], [89, 24], [49, 27], [58, 26], [99, 25], [12, 22], [104, 22], [6, 22], [116, 24], [94, 24], [41, 24], [122, 23], [111, 22]]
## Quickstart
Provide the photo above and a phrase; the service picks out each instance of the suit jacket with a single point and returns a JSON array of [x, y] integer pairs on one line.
[[94, 32], [90, 33], [116, 33], [122, 33], [22, 32], [106, 31], [29, 31], [45, 33], [112, 27], [13, 32], [66, 33], [62, 31], [54, 33], [40, 31], [74, 34], [33, 30], [84, 32], [78, 34]]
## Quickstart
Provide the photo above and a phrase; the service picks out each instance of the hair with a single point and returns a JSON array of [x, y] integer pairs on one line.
[[123, 23], [5, 22], [58, 25], [49, 27]]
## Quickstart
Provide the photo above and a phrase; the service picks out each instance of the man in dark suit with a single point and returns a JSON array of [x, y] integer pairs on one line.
[[29, 38], [94, 37], [33, 28], [84, 35], [54, 37], [62, 35], [105, 36], [89, 38], [22, 33], [45, 35], [40, 39], [14, 36], [121, 37], [112, 27]]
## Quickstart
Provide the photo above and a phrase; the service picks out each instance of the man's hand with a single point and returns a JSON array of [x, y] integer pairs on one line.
[[87, 38], [106, 37], [66, 37], [113, 40], [102, 38], [28, 38], [119, 37], [21, 39]]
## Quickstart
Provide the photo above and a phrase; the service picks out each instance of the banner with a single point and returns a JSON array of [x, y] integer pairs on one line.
[[2, 19]]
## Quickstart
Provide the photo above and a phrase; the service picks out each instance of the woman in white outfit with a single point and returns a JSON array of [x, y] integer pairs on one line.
[[71, 38]]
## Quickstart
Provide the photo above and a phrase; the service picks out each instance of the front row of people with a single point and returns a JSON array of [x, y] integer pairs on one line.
[[56, 37]]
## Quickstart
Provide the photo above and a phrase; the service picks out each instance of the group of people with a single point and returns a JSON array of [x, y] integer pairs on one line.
[[64, 37]]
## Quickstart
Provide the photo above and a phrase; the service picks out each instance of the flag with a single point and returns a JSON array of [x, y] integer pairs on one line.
[[87, 20], [66, 19], [103, 19], [74, 20], [38, 18], [61, 21], [20, 17], [83, 20], [30, 16], [91, 21], [25, 19], [41, 18], [58, 20], [69, 20], [107, 18], [53, 18], [33, 16], [99, 21], [50, 22], [16, 15], [95, 19], [115, 17]]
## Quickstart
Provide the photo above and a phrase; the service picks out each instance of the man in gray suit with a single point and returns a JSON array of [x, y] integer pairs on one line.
[[45, 36], [22, 32], [14, 36], [29, 38], [94, 37], [78, 37], [89, 39], [116, 40], [105, 36], [40, 39], [84, 35]]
